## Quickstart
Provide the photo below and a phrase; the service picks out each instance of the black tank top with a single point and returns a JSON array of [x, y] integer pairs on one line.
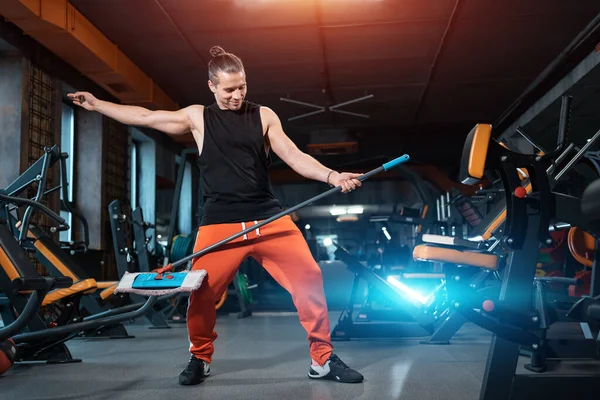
[[234, 167]]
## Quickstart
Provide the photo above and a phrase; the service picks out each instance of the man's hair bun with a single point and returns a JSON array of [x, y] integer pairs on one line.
[[216, 51]]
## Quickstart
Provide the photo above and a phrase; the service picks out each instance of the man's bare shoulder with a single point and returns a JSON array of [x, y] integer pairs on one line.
[[195, 114], [268, 115], [195, 109], [264, 110]]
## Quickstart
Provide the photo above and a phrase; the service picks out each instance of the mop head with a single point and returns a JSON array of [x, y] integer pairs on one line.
[[154, 284]]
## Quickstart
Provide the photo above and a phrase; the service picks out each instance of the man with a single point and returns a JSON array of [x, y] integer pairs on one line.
[[234, 137]]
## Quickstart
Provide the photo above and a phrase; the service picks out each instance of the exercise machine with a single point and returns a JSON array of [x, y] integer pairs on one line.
[[520, 317], [135, 257], [54, 256], [408, 312], [45, 334]]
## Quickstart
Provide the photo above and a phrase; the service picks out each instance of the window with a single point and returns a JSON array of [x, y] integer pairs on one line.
[[67, 146], [133, 188]]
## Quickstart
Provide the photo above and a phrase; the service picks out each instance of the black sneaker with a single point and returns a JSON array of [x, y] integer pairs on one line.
[[195, 372], [335, 369]]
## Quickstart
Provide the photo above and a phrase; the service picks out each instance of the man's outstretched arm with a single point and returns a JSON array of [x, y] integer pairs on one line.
[[301, 162], [171, 122]]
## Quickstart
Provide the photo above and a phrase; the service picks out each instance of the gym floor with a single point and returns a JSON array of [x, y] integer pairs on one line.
[[262, 357]]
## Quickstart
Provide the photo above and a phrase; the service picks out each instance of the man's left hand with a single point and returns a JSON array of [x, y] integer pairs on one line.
[[346, 180]]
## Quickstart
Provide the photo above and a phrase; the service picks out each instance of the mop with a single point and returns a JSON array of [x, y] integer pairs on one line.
[[165, 282]]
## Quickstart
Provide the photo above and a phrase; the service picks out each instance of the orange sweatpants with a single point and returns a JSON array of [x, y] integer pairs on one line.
[[281, 249]]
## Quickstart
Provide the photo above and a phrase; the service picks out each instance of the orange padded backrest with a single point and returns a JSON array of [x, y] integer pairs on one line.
[[8, 266], [475, 154], [581, 246]]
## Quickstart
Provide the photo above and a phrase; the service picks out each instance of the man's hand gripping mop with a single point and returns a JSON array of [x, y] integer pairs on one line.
[[163, 282]]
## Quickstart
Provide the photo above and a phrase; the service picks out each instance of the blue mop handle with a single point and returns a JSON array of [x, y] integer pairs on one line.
[[385, 167], [395, 162]]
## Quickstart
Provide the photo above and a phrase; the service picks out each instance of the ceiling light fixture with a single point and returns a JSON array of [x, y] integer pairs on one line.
[[386, 233], [353, 210], [338, 211], [322, 109]]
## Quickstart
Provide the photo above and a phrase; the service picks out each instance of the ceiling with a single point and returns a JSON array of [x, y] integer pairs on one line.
[[585, 118], [434, 68]]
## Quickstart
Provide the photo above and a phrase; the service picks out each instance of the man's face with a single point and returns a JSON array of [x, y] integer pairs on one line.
[[230, 90]]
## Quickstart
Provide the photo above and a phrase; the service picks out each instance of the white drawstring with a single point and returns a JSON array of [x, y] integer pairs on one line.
[[243, 228], [257, 229]]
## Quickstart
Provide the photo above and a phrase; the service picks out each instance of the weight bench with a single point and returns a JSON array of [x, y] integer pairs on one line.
[[59, 263], [78, 288], [468, 253], [446, 249], [40, 338], [56, 260]]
